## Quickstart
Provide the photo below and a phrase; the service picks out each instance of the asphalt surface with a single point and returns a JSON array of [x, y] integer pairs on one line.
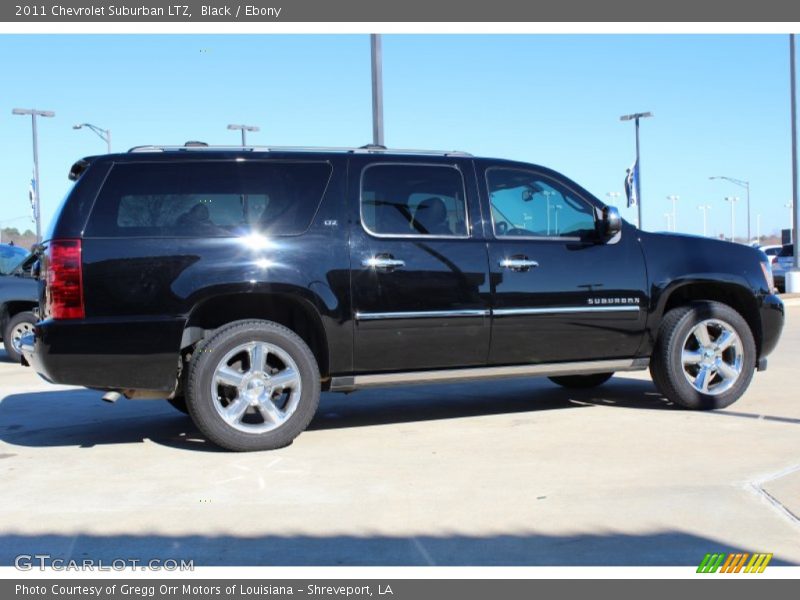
[[519, 472]]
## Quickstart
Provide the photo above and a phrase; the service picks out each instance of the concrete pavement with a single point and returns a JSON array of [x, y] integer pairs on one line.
[[514, 473]]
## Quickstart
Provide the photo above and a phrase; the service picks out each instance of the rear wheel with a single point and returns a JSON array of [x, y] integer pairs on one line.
[[704, 357], [254, 385], [581, 381], [17, 326]]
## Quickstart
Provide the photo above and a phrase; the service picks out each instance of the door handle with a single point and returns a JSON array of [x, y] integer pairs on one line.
[[518, 263], [384, 262]]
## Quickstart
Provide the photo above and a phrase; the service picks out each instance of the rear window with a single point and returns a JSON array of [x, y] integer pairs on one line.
[[208, 198]]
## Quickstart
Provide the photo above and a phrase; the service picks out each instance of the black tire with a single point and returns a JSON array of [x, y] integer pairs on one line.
[[23, 320], [667, 367], [579, 382], [302, 395], [179, 404]]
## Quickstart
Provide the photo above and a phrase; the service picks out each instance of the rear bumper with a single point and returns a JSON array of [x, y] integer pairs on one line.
[[772, 319], [134, 354]]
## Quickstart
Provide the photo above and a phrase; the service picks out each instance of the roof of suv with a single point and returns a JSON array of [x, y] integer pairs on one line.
[[368, 149]]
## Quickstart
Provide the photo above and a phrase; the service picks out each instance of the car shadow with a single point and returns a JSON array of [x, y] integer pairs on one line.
[[80, 418], [658, 548]]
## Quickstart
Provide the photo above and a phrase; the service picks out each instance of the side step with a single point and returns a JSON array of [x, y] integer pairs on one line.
[[357, 382]]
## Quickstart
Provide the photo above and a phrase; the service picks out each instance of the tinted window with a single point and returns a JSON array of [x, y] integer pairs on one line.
[[527, 204], [413, 200], [209, 198]]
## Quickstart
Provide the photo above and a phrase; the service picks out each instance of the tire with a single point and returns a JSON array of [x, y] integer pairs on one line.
[[698, 375], [179, 404], [242, 408], [18, 324], [579, 382]]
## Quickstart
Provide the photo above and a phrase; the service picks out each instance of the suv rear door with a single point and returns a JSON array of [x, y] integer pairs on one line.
[[559, 294], [420, 280]]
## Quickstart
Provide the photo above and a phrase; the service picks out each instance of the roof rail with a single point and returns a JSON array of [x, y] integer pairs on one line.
[[369, 149]]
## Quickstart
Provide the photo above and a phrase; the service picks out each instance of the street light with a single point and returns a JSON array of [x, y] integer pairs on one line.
[[674, 200], [36, 191], [244, 129], [733, 200], [744, 184], [637, 166], [376, 60], [557, 208], [705, 208], [103, 134]]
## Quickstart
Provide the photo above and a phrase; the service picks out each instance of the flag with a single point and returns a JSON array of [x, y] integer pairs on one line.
[[632, 184]]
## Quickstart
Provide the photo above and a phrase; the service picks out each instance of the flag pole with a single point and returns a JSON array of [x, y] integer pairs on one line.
[[638, 177]]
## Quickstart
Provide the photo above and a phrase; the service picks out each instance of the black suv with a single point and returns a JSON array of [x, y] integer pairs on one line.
[[238, 283]]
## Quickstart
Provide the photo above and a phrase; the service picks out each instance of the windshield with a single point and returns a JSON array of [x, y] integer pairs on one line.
[[10, 257]]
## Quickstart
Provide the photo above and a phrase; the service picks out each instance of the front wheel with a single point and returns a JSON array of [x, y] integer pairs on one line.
[[17, 326], [704, 356], [254, 385]]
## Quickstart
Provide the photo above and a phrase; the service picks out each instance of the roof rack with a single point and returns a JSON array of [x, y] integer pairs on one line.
[[369, 149]]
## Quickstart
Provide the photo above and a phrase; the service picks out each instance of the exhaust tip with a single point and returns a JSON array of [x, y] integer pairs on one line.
[[111, 397]]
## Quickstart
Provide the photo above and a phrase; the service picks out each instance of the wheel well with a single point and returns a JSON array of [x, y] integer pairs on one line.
[[9, 309], [297, 315], [734, 296]]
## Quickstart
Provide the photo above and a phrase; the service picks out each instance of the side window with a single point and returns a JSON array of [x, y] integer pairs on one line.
[[415, 200], [208, 198], [525, 204]]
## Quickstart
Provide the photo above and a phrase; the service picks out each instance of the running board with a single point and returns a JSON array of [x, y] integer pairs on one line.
[[357, 382]]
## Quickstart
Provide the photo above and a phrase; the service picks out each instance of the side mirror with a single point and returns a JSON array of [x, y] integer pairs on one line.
[[610, 224]]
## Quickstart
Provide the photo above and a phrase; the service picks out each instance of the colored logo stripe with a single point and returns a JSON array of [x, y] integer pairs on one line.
[[733, 562]]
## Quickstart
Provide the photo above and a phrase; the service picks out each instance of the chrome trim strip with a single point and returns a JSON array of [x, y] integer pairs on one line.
[[421, 314], [560, 310], [472, 374]]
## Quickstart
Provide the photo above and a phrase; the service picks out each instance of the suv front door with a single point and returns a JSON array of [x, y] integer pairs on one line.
[[559, 293], [420, 280]]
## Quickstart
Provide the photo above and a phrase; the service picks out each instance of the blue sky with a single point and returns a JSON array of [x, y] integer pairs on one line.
[[721, 105]]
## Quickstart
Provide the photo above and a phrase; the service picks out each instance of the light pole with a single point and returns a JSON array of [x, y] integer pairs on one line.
[[547, 194], [705, 208], [744, 184], [103, 134], [674, 200], [733, 200], [637, 167], [244, 129], [793, 274], [557, 208], [376, 54], [36, 192], [668, 217]]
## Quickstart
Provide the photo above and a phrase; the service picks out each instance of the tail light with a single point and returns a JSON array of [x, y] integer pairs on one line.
[[64, 279]]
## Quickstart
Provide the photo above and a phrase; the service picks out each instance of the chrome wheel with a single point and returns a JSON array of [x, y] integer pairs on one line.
[[256, 387], [19, 330], [712, 357]]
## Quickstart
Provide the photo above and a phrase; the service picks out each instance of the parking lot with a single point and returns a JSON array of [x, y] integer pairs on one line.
[[519, 472]]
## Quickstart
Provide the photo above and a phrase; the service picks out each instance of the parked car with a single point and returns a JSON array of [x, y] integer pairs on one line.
[[18, 298], [781, 263], [239, 283], [771, 249]]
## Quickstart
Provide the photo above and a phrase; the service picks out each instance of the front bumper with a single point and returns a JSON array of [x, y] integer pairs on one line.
[[772, 314]]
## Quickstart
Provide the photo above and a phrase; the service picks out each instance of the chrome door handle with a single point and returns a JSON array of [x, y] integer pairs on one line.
[[382, 262], [518, 263]]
